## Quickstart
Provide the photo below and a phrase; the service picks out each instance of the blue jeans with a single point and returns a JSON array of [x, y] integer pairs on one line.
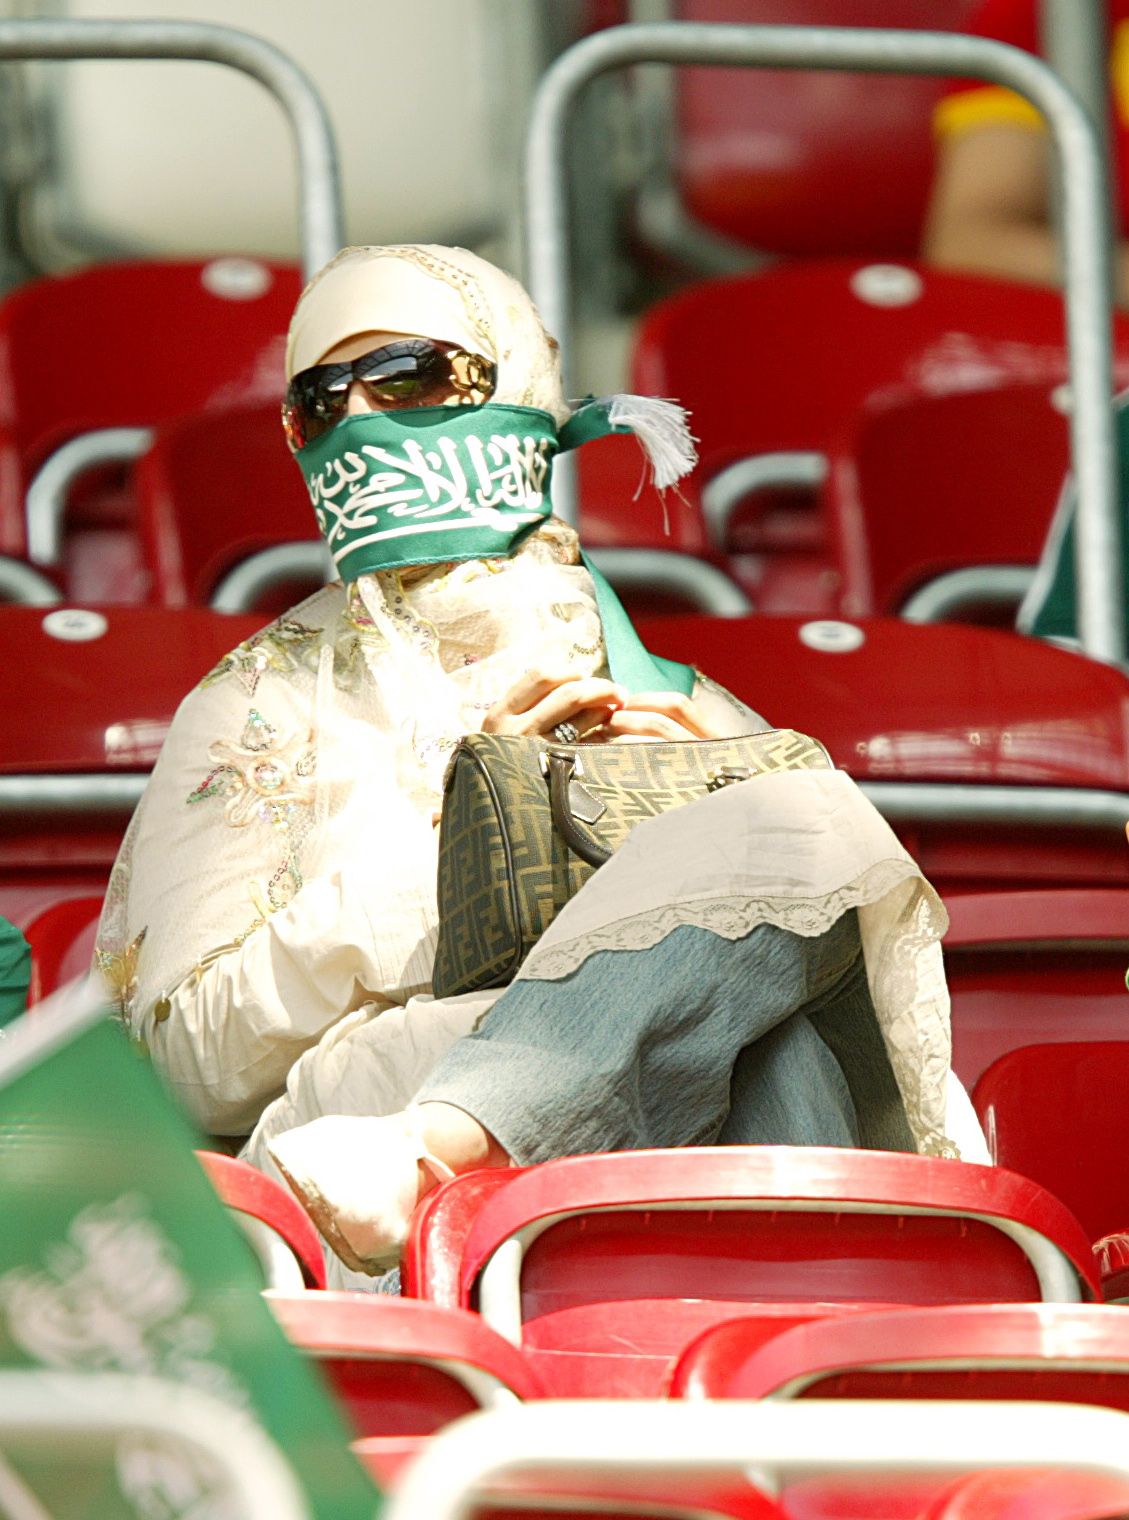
[[769, 1039]]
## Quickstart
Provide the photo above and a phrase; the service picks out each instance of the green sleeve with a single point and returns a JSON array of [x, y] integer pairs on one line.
[[15, 972], [1050, 610]]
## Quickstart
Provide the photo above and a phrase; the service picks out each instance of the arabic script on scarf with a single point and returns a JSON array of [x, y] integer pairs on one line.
[[372, 488]]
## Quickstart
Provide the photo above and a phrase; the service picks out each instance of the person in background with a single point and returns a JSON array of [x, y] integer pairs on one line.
[[990, 210]]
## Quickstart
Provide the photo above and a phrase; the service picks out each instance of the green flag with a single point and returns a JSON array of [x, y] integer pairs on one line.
[[130, 1314], [1049, 609], [15, 972]]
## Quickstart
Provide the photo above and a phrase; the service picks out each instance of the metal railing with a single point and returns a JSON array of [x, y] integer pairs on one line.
[[319, 195], [1049, 807], [723, 493], [958, 591], [24, 584], [1074, 40], [260, 573], [67, 795], [923, 803], [1081, 207], [46, 505], [552, 1445]]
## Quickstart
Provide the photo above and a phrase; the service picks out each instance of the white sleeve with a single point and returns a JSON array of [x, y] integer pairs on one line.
[[226, 1037], [963, 1127], [262, 893]]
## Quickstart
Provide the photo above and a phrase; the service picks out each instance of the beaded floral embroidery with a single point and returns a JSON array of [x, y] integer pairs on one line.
[[290, 644], [360, 633], [282, 647], [265, 777], [118, 969]]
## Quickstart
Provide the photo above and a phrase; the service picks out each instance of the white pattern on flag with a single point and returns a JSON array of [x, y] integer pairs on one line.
[[430, 488]]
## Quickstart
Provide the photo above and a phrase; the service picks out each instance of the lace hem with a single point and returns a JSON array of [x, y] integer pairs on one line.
[[907, 982], [731, 917]]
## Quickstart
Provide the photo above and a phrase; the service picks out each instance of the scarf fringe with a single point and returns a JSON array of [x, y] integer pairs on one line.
[[662, 428]]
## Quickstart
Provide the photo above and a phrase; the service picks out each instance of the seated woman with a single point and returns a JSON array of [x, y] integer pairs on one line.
[[990, 206], [759, 966]]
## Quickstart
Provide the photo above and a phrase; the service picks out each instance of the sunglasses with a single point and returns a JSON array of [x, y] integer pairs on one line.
[[408, 373]]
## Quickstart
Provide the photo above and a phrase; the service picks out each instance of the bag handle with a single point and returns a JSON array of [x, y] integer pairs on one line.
[[562, 767]]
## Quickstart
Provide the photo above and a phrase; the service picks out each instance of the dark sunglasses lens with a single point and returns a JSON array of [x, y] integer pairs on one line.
[[419, 376], [412, 373], [316, 400], [294, 424]]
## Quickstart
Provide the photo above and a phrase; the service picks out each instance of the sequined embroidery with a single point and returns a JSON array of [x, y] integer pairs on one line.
[[264, 776], [282, 647], [419, 630], [118, 969], [360, 633]]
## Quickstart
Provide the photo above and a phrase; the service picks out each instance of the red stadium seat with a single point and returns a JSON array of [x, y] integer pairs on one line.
[[1064, 1353], [279, 1229], [1082, 1159], [1112, 1255], [62, 944], [787, 160], [620, 508], [1029, 967], [401, 1369], [773, 365], [1022, 1494], [922, 486], [214, 489], [106, 684], [779, 359], [904, 707], [606, 1265], [432, 1257], [163, 338], [432, 1261]]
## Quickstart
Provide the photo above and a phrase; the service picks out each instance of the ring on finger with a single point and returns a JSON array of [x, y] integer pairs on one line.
[[566, 732]]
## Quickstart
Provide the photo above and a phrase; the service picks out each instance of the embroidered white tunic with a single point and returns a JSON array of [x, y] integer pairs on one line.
[[276, 891], [270, 926]]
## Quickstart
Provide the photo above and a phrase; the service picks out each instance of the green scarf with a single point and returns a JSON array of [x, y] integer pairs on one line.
[[441, 484]]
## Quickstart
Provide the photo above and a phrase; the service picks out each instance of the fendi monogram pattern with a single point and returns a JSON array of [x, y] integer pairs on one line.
[[505, 872]]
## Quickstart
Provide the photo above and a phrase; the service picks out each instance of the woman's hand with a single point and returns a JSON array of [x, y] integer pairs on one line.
[[541, 700], [658, 715]]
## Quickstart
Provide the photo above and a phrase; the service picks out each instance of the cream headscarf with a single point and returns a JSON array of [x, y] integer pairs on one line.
[[432, 292], [447, 293]]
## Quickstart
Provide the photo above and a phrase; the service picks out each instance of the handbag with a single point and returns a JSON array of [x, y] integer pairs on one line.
[[526, 820]]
